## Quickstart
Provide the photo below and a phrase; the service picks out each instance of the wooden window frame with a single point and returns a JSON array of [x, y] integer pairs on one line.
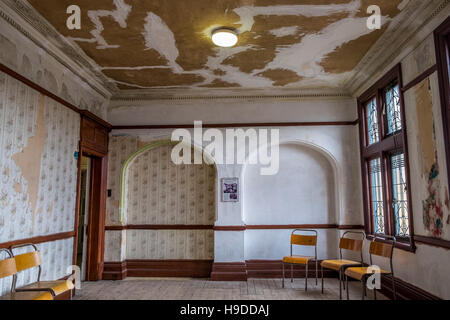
[[442, 43], [388, 144]]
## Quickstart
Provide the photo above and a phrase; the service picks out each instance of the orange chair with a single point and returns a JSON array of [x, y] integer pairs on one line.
[[8, 269], [301, 240], [33, 259], [341, 264], [381, 249]]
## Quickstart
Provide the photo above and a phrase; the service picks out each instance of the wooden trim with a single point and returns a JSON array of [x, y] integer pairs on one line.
[[37, 87], [229, 271], [383, 149], [115, 228], [292, 226], [160, 227], [157, 268], [231, 125], [351, 227], [230, 228], [39, 239], [169, 227], [442, 43], [432, 241], [288, 226], [420, 78], [114, 270], [98, 120], [273, 269], [404, 290]]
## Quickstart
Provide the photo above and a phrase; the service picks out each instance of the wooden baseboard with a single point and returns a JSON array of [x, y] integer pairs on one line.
[[273, 269], [229, 271], [157, 268], [269, 269], [404, 290], [114, 270]]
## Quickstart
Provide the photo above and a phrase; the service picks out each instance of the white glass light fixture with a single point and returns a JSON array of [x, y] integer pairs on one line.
[[223, 37]]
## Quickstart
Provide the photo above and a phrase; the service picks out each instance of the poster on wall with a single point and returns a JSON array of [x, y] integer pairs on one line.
[[230, 189]]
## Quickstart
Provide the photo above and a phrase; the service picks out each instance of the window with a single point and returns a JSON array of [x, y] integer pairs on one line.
[[384, 161]]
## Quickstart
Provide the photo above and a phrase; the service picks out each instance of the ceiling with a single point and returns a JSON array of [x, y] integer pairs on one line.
[[166, 44]]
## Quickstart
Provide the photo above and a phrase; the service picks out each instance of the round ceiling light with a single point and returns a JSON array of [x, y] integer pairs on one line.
[[224, 37]]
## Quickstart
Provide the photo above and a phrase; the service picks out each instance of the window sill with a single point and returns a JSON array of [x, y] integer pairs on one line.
[[405, 244]]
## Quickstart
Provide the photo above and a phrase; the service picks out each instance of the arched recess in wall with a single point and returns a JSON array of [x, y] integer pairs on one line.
[[172, 208], [304, 192]]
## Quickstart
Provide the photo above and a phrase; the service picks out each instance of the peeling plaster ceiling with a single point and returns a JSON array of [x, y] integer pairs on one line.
[[166, 44]]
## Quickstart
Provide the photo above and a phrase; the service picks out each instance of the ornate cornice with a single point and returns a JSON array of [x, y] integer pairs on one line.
[[45, 36], [137, 96], [399, 35]]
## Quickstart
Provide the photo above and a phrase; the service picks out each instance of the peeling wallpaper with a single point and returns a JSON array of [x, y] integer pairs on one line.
[[427, 160], [37, 170], [299, 43], [23, 56], [158, 192]]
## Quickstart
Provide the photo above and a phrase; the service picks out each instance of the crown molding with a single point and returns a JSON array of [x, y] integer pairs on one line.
[[138, 96], [402, 34], [26, 20], [23, 17]]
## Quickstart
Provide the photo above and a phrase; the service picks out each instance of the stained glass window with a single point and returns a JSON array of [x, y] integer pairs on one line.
[[393, 112], [376, 190], [372, 121], [400, 195]]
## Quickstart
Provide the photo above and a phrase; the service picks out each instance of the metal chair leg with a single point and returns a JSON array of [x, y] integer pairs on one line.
[[375, 293], [306, 278], [346, 282], [292, 273], [393, 288], [316, 272], [282, 281], [343, 283], [363, 287], [340, 284], [321, 268]]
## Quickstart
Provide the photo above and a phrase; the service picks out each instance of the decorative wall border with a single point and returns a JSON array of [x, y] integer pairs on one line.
[[240, 125], [232, 228], [368, 66], [39, 239]]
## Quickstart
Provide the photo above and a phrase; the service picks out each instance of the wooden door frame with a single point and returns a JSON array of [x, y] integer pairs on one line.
[[94, 134]]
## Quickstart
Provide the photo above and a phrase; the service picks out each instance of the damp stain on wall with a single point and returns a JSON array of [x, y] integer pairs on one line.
[[433, 211], [29, 159]]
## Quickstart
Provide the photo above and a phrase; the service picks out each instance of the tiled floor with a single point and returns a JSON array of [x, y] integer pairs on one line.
[[204, 289]]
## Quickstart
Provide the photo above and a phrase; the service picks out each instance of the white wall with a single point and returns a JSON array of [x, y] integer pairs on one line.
[[323, 157]]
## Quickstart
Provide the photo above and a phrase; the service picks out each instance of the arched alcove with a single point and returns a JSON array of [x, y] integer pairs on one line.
[[171, 205], [303, 192]]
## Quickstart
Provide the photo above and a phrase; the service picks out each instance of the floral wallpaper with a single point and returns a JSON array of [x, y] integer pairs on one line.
[[38, 170], [158, 192]]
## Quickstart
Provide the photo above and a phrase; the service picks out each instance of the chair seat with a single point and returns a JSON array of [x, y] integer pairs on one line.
[[297, 259], [338, 263], [59, 286], [359, 272], [30, 295]]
